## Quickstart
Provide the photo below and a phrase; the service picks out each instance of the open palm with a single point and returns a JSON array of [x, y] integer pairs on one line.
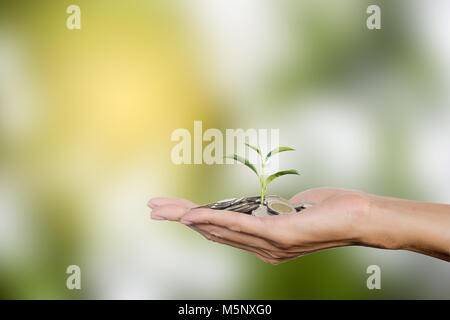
[[332, 222]]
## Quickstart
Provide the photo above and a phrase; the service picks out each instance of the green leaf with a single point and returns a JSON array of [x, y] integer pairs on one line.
[[244, 161], [254, 148], [279, 174], [278, 150]]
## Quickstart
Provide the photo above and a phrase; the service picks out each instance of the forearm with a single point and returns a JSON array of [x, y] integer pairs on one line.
[[408, 225]]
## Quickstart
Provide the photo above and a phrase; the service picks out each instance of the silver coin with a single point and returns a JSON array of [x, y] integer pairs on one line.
[[244, 207], [272, 205], [218, 205], [223, 204], [237, 201], [261, 211], [255, 199], [280, 206], [239, 207], [253, 207]]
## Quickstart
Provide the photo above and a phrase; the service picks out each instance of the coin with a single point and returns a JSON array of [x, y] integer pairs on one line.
[[261, 211], [280, 207], [222, 204], [272, 205], [218, 205], [239, 207]]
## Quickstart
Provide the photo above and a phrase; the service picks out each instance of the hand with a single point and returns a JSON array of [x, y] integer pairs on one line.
[[332, 222]]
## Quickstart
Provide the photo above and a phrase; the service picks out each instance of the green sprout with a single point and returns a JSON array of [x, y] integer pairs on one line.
[[264, 161]]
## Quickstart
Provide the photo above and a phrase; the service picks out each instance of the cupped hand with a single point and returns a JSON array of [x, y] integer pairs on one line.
[[332, 222]]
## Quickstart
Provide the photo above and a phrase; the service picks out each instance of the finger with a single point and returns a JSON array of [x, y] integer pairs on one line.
[[269, 260], [157, 202], [304, 230], [234, 221], [316, 195], [239, 237], [169, 212], [260, 253], [270, 256]]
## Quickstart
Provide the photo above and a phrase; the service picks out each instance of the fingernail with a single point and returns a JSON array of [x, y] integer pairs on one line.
[[186, 222], [158, 218]]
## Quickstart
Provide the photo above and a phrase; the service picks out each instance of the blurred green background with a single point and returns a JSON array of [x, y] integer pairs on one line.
[[86, 117]]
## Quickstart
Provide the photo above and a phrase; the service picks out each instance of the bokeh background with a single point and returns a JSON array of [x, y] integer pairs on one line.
[[86, 117]]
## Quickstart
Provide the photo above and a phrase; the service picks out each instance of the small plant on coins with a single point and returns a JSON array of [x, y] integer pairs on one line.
[[264, 160]]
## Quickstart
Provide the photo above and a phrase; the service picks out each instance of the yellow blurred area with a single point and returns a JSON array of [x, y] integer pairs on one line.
[[104, 102], [117, 84]]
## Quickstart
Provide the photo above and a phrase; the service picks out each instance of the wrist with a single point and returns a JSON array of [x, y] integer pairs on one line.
[[407, 225], [381, 226]]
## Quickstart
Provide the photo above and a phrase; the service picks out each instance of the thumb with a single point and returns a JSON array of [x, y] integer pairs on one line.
[[169, 212], [316, 195]]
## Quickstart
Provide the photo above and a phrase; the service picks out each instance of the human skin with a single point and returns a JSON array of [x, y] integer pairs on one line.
[[339, 218]]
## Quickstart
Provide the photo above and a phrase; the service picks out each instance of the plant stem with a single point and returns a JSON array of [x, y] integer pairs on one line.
[[261, 177]]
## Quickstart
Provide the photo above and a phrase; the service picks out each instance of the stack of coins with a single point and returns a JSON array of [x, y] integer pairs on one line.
[[272, 205]]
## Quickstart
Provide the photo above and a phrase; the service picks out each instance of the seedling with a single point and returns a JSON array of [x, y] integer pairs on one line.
[[264, 160]]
